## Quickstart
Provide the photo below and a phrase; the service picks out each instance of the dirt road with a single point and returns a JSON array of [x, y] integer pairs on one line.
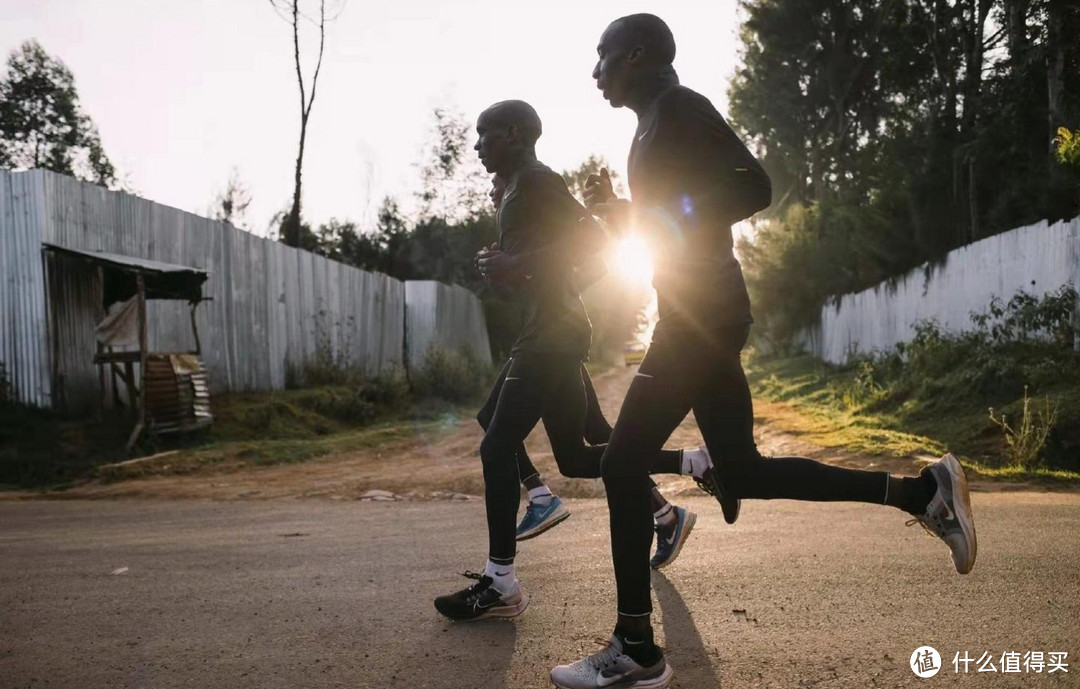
[[318, 593], [229, 588]]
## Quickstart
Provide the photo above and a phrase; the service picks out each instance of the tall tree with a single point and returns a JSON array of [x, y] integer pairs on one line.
[[42, 124], [453, 183], [904, 128], [292, 228]]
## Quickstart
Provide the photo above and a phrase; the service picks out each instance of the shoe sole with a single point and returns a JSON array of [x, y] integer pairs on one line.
[[560, 516], [663, 681], [688, 526], [731, 514], [503, 612], [963, 507]]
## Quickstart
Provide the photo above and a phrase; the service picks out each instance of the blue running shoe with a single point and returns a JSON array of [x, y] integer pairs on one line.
[[669, 541], [540, 518]]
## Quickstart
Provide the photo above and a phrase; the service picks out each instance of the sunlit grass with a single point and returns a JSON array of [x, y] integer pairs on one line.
[[887, 423]]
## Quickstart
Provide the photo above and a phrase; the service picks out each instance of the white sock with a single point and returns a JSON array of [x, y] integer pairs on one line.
[[502, 576], [665, 516], [694, 462], [541, 496]]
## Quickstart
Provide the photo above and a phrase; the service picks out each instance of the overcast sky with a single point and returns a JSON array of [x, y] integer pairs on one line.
[[182, 92]]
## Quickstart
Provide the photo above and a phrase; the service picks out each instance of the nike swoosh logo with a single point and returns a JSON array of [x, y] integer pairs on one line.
[[949, 514], [643, 135], [605, 680]]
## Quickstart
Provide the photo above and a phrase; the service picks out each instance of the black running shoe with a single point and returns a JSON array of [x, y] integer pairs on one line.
[[711, 484], [481, 601]]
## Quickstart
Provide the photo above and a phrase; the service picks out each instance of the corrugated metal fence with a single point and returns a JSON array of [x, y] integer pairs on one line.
[[448, 315], [1038, 259], [274, 312]]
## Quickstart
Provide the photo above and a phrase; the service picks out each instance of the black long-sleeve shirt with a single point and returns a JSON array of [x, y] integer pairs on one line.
[[544, 227], [690, 178]]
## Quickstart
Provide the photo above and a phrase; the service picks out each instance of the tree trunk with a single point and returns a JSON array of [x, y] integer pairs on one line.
[[290, 230], [1016, 12], [1055, 67], [973, 57]]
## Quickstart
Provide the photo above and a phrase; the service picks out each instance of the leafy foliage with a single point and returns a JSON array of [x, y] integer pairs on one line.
[[452, 376], [1028, 438], [932, 394], [231, 203], [42, 124], [1068, 146], [454, 185], [901, 129]]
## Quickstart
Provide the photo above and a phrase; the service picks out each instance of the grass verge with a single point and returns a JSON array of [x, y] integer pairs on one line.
[[39, 450], [864, 409]]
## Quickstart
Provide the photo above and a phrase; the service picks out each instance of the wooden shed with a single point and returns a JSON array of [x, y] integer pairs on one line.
[[166, 391]]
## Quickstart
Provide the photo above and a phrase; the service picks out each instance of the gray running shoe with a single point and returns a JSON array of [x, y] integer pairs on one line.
[[948, 516], [610, 668]]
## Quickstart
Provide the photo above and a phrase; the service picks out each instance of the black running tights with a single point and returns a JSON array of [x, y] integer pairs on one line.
[[687, 373]]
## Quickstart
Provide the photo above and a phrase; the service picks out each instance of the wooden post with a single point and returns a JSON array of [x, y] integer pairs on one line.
[[195, 329], [100, 350], [140, 422], [53, 273]]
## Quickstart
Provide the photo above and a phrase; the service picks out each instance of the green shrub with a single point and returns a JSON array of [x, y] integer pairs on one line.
[[864, 388], [454, 376], [946, 380], [1027, 439]]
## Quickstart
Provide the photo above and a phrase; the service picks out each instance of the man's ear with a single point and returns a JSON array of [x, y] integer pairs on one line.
[[512, 133], [635, 55]]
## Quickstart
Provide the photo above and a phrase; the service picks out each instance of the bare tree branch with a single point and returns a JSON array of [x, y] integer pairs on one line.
[[296, 53], [318, 64], [290, 10]]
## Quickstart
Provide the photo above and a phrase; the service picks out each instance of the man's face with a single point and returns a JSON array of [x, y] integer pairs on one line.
[[613, 66], [492, 142], [498, 186]]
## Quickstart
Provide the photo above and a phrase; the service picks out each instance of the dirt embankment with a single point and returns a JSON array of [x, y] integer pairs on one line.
[[440, 460]]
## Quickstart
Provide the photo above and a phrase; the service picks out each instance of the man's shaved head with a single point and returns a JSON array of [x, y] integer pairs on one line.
[[634, 55], [515, 113], [648, 31], [506, 135]]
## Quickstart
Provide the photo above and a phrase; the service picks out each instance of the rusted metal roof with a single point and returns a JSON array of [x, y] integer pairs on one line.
[[141, 265]]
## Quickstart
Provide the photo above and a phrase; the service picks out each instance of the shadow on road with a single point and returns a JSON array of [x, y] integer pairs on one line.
[[479, 654], [684, 647]]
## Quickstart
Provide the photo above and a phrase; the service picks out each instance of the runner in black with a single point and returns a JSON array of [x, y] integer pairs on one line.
[[544, 509], [543, 233], [691, 178]]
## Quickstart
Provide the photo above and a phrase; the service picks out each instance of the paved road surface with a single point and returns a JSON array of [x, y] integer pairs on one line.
[[319, 593]]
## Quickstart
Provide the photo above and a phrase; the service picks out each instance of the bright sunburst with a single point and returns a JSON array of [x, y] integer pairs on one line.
[[632, 260]]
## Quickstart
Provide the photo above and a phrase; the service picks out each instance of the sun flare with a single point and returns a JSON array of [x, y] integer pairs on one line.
[[632, 260]]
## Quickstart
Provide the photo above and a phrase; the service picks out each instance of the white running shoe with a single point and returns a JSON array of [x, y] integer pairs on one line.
[[948, 516], [610, 668]]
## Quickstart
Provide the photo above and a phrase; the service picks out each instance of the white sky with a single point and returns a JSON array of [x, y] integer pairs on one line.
[[184, 91]]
